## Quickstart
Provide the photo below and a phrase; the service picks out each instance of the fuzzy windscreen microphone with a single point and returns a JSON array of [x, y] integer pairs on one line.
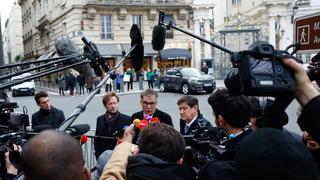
[[137, 54], [64, 47], [158, 37]]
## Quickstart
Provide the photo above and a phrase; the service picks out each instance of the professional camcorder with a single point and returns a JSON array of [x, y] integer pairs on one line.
[[203, 146], [10, 120], [313, 70]]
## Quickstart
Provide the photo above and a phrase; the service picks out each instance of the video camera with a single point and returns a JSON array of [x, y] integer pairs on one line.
[[10, 120], [313, 70], [203, 146]]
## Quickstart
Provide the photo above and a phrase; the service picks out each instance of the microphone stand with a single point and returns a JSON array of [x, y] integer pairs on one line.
[[37, 67], [44, 73], [38, 61], [82, 106]]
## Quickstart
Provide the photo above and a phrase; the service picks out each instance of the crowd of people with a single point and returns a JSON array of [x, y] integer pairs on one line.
[[75, 83], [256, 148]]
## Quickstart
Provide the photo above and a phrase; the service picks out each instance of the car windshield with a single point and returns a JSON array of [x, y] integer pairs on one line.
[[190, 72]]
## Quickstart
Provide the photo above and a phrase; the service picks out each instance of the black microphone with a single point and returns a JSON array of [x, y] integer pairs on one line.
[[158, 37], [93, 64], [78, 129], [137, 54], [64, 47]]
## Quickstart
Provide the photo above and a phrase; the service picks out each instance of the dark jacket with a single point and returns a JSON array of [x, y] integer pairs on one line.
[[232, 144], [309, 118], [195, 125], [163, 117], [54, 117], [144, 166], [107, 130]]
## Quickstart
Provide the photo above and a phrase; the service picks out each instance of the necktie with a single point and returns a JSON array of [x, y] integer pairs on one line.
[[186, 129]]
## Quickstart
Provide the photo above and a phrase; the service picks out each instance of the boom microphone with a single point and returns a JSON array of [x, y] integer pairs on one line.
[[137, 54], [78, 130], [158, 37], [65, 46]]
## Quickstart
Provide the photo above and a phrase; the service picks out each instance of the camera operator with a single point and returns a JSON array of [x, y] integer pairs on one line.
[[53, 155], [232, 112], [190, 117], [158, 155], [47, 114], [309, 99], [11, 170]]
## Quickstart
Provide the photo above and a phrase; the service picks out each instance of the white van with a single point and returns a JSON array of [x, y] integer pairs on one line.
[[25, 88]]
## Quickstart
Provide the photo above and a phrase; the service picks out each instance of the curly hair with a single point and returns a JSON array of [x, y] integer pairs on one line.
[[235, 109]]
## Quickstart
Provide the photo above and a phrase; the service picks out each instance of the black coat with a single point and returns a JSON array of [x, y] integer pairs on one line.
[[54, 117], [103, 129], [145, 166], [232, 144], [309, 118], [162, 116], [195, 125]]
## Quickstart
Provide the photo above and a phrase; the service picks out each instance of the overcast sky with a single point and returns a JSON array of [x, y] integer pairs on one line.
[[5, 9]]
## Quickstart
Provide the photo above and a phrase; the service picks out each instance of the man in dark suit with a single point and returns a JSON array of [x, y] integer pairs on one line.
[[148, 102], [47, 114], [191, 120], [109, 123]]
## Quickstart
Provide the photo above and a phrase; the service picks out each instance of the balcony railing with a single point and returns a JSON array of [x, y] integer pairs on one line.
[[151, 2]]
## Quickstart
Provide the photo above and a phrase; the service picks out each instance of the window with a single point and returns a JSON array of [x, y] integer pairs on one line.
[[136, 19], [45, 7], [106, 32], [303, 2], [236, 2]]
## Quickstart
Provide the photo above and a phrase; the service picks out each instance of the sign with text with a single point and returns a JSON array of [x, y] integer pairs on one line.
[[307, 32]]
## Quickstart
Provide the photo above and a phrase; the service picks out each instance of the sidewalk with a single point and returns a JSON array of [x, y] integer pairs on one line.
[[135, 87]]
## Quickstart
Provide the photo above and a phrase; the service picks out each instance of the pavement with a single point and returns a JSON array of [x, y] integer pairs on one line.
[[135, 88]]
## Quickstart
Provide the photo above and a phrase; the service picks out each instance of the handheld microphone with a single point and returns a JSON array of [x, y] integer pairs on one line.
[[158, 37], [83, 139], [65, 46], [93, 54], [93, 64], [78, 130], [137, 54]]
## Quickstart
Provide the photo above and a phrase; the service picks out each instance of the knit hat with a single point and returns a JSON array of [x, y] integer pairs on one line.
[[270, 154]]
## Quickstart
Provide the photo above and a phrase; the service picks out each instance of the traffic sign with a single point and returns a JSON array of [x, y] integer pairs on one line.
[[307, 32]]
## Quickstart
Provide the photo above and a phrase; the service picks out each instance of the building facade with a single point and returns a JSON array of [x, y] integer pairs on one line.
[[12, 36], [107, 23]]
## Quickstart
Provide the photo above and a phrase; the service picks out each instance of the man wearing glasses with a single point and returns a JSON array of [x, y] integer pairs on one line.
[[149, 101]]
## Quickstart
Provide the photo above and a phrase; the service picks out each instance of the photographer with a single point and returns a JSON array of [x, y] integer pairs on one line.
[[190, 117], [309, 99], [158, 155], [232, 112]]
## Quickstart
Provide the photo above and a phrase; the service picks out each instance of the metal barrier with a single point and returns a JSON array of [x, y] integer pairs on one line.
[[88, 152]]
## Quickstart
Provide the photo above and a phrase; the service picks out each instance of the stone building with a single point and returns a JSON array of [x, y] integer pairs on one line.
[[106, 23]]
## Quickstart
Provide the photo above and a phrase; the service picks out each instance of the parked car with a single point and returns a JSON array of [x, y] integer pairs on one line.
[[25, 88], [186, 80]]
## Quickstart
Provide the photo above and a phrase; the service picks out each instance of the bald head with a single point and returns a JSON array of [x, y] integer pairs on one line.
[[52, 155]]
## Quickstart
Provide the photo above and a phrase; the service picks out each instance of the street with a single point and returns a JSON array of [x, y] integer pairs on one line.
[[129, 103]]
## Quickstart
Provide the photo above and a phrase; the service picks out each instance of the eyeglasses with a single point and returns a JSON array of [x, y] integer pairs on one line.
[[145, 103]]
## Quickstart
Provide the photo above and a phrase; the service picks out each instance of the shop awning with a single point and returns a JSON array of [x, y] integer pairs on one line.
[[108, 50], [148, 51], [175, 53]]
